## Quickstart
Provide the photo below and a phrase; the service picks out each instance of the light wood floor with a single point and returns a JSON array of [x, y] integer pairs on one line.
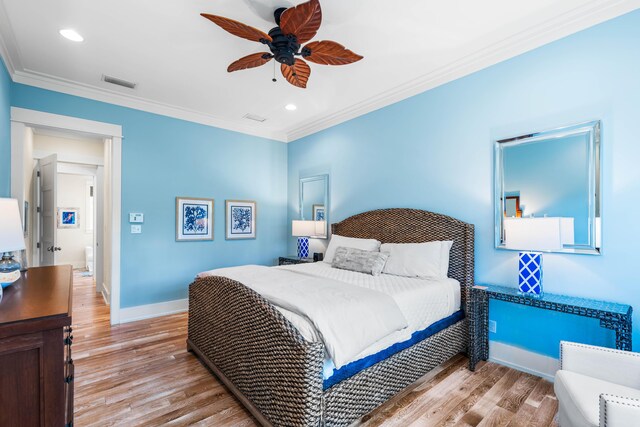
[[141, 374]]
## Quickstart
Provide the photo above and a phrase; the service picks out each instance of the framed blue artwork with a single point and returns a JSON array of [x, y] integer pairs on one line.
[[318, 212], [194, 218], [68, 217], [240, 219]]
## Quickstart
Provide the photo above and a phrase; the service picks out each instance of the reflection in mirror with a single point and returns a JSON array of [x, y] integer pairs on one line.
[[547, 190], [512, 206], [314, 193]]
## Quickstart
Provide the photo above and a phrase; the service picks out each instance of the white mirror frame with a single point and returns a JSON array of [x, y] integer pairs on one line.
[[592, 129]]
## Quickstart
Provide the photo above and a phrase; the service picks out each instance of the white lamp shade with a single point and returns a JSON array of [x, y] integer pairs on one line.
[[303, 228], [11, 237], [321, 229], [534, 234]]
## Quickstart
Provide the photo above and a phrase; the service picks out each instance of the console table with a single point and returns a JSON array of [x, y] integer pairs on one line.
[[612, 315]]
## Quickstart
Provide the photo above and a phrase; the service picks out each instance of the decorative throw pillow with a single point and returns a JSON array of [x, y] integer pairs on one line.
[[358, 260], [428, 259], [349, 242]]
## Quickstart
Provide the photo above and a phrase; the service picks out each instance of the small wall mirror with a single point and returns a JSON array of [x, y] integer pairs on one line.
[[548, 190], [314, 203]]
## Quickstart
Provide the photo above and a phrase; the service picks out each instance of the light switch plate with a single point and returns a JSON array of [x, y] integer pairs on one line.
[[136, 217], [136, 229]]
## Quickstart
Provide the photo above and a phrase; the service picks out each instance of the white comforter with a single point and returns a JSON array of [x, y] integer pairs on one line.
[[422, 301], [348, 318]]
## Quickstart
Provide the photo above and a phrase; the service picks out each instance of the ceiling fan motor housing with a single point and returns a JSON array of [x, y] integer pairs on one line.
[[283, 47]]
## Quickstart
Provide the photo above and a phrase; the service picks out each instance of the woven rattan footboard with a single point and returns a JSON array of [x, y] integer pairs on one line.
[[348, 400], [277, 375], [238, 334]]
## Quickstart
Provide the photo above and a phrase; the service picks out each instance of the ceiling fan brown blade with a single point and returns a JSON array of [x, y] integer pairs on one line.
[[303, 20], [296, 74], [328, 52], [238, 28], [249, 61]]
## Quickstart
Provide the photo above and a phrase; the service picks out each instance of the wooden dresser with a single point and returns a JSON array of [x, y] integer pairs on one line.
[[36, 369]]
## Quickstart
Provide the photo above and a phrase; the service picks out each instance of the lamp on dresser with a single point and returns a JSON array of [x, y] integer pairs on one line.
[[303, 230], [11, 239]]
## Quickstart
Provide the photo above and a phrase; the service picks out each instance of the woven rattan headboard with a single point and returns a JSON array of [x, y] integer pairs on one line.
[[416, 226]]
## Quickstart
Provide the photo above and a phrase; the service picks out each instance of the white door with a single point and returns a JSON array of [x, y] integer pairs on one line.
[[48, 208]]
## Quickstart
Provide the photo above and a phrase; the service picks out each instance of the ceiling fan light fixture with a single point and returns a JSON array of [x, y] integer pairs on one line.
[[71, 34], [295, 26], [290, 107]]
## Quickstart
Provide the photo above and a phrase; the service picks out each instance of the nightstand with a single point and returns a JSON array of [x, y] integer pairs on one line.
[[293, 259], [612, 315]]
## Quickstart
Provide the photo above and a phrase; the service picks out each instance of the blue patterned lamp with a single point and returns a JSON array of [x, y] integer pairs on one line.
[[532, 234], [302, 230], [530, 274]]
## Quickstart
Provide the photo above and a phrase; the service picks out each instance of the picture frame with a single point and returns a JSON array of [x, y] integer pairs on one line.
[[68, 217], [240, 219], [194, 219], [318, 213]]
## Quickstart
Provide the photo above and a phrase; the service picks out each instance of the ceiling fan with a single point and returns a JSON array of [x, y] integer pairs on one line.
[[295, 26]]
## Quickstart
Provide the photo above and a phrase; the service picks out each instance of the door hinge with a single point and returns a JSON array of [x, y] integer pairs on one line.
[[38, 174], [38, 245], [38, 209]]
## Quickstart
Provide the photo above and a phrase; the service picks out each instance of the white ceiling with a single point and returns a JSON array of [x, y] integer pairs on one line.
[[179, 59]]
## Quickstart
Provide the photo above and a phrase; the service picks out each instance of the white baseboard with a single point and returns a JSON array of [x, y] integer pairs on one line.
[[140, 312], [105, 294], [523, 360]]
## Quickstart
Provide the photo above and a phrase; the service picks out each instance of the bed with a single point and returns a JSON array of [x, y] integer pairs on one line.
[[278, 374]]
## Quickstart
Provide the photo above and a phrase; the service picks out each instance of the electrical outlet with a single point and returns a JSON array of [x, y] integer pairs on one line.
[[493, 326]]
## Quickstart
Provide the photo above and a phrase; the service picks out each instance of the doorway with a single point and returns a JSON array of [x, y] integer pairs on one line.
[[66, 172], [63, 203]]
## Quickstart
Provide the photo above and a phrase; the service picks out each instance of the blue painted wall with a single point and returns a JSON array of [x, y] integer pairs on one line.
[[5, 131], [163, 158], [434, 151]]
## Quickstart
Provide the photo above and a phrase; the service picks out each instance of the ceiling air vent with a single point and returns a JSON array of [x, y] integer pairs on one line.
[[119, 82], [254, 117]]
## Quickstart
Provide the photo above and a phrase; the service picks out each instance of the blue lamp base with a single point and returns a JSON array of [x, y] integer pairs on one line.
[[9, 270], [303, 247], [530, 274]]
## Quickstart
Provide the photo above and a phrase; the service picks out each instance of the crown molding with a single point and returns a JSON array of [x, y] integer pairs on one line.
[[571, 22], [7, 33], [68, 87], [593, 13]]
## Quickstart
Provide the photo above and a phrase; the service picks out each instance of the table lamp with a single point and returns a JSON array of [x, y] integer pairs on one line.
[[302, 230], [11, 239], [535, 234]]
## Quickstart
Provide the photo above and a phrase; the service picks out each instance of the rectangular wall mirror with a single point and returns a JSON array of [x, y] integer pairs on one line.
[[547, 190], [314, 203]]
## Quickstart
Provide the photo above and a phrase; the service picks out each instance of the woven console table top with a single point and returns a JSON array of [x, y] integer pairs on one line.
[[548, 298]]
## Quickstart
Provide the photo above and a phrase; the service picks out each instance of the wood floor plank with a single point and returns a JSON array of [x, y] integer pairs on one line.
[[140, 374]]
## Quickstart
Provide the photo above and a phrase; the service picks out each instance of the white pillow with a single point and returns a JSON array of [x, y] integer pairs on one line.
[[349, 242], [429, 259]]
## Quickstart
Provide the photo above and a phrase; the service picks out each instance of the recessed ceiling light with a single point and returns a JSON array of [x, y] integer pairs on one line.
[[71, 34], [290, 107]]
